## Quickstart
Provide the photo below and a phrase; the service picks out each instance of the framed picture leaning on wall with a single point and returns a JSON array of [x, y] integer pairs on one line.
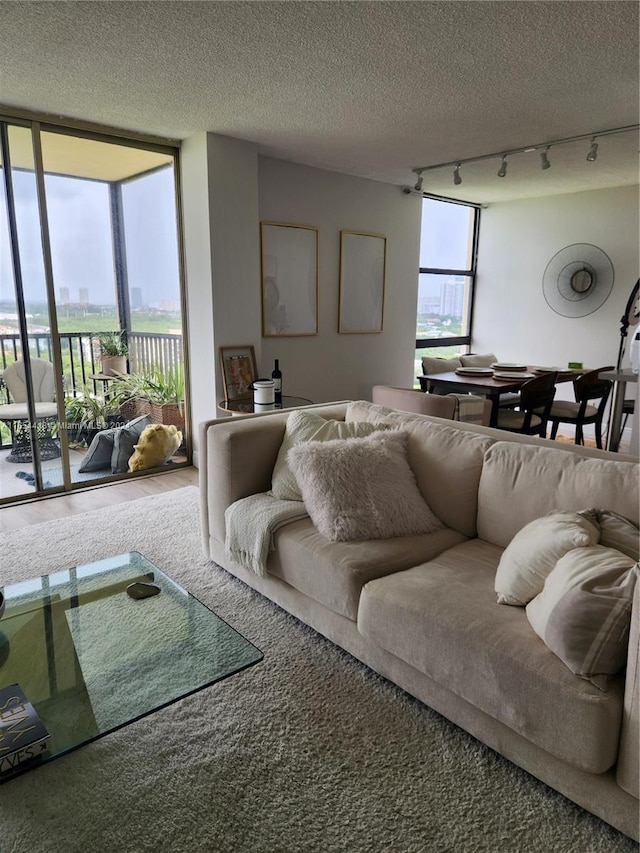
[[289, 268], [238, 371], [362, 282]]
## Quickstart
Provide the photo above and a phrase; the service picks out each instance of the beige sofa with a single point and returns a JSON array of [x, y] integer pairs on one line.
[[422, 610]]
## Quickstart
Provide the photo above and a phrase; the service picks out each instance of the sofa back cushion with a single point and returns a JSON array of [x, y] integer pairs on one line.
[[446, 462], [520, 483]]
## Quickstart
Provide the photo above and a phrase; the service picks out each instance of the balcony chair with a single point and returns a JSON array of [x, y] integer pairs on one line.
[[586, 388], [16, 413], [536, 399]]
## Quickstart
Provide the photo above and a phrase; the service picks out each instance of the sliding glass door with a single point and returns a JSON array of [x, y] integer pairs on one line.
[[91, 318]]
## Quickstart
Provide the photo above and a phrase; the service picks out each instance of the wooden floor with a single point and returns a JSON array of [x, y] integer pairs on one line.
[[49, 509]]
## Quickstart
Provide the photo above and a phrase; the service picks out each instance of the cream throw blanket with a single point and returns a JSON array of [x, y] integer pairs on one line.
[[250, 524], [469, 408]]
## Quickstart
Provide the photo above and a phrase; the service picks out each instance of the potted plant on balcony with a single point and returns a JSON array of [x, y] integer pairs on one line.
[[164, 389], [113, 353], [86, 414]]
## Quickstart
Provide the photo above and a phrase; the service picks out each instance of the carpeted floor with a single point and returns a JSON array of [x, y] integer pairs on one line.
[[306, 751]]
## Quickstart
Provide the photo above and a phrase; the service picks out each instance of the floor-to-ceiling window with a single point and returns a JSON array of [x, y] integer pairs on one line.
[[89, 254], [448, 248]]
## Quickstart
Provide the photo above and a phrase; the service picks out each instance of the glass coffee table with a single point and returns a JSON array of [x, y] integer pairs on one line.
[[91, 659]]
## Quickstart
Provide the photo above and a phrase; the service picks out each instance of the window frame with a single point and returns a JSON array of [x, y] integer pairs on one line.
[[471, 273]]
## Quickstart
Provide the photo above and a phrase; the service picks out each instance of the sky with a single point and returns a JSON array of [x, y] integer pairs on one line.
[[81, 239], [444, 241]]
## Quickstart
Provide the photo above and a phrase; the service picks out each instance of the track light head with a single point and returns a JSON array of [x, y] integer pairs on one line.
[[457, 180], [502, 171], [544, 160], [418, 185], [593, 150]]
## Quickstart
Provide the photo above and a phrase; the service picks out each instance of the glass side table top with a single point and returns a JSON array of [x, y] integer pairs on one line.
[[246, 405], [91, 659]]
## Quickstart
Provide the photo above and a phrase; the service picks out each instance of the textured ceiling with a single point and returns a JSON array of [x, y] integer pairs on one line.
[[370, 89]]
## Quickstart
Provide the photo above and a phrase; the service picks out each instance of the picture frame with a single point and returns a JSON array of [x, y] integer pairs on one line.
[[238, 371], [363, 259], [289, 279]]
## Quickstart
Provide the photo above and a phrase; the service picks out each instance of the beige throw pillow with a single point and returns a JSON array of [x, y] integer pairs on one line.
[[305, 426], [583, 613], [534, 551], [361, 488], [616, 531]]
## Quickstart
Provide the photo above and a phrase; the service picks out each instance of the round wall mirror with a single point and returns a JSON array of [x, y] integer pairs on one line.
[[581, 281]]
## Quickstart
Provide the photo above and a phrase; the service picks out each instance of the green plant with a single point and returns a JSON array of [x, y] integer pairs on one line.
[[85, 410], [163, 386], [112, 343]]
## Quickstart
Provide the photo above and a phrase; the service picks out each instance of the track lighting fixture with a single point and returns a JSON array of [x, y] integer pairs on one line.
[[541, 147], [544, 160]]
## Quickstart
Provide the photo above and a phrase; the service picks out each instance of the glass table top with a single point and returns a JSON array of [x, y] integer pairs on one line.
[[91, 659], [245, 405]]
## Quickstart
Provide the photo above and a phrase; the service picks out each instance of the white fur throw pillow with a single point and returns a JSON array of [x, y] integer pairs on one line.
[[305, 426], [534, 551], [361, 488]]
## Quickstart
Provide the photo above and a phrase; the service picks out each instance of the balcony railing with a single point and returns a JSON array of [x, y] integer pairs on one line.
[[81, 355]]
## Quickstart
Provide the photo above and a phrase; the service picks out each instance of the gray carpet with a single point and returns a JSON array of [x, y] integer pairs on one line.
[[306, 751]]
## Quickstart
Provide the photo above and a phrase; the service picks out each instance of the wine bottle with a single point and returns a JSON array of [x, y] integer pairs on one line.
[[276, 375]]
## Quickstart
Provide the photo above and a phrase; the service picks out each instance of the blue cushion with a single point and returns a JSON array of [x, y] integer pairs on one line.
[[98, 456], [124, 440]]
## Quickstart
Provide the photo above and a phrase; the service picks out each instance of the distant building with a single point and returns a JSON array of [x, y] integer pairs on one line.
[[63, 296], [136, 297], [429, 305], [452, 297], [84, 295]]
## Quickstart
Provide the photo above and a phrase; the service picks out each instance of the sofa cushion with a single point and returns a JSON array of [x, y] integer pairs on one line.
[[454, 631], [534, 551], [583, 614], [305, 426], [521, 482], [361, 488], [333, 573], [446, 461]]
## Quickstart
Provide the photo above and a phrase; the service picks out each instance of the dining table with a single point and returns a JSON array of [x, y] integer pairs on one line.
[[485, 384]]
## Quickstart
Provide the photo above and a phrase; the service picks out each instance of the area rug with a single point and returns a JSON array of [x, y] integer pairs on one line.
[[306, 751]]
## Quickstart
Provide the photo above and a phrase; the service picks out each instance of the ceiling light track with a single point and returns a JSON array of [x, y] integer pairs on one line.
[[542, 147]]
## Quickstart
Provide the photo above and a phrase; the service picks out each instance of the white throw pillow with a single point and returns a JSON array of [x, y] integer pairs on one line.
[[362, 488], [616, 531], [305, 426], [583, 613], [534, 551]]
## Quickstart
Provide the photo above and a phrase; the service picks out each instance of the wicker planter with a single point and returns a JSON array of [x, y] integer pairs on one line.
[[167, 413], [130, 409]]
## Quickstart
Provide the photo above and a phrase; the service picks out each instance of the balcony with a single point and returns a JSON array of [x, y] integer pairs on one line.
[[149, 353]]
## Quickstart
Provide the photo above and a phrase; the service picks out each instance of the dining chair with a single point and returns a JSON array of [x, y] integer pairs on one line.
[[587, 389], [16, 413], [536, 399]]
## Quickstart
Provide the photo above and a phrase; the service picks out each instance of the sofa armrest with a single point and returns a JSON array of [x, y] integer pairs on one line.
[[628, 769], [236, 459]]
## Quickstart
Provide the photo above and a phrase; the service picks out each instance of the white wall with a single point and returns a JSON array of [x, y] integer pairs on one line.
[[517, 240], [220, 211], [332, 366]]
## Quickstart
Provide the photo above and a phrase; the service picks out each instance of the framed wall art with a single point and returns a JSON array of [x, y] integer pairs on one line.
[[238, 371], [289, 268], [362, 282]]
